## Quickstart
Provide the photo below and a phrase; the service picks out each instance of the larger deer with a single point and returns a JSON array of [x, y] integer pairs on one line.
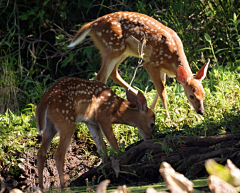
[[121, 34], [73, 100]]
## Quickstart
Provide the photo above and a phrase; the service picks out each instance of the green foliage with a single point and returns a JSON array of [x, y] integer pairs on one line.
[[36, 34], [8, 84], [164, 144], [148, 156], [34, 54], [213, 168], [18, 134], [221, 101]]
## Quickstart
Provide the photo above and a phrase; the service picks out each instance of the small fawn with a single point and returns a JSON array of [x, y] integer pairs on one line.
[[73, 100], [122, 34]]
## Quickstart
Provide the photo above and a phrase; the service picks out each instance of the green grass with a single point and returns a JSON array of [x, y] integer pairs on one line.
[[200, 183], [208, 29], [222, 107], [18, 134], [30, 63]]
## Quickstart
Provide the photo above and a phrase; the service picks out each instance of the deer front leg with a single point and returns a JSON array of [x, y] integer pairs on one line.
[[154, 103], [106, 128], [163, 98], [98, 139], [159, 80]]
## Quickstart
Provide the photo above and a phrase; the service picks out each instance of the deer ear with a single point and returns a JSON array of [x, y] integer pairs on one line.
[[131, 97], [141, 102], [181, 75], [202, 72]]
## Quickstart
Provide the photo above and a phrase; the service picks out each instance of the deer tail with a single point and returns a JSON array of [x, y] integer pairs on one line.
[[81, 34]]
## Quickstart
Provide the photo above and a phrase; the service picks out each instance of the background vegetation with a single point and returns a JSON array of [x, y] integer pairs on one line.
[[33, 54]]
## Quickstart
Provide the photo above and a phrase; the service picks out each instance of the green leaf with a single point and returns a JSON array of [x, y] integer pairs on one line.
[[207, 37], [213, 168], [88, 52], [24, 16], [234, 16], [45, 2]]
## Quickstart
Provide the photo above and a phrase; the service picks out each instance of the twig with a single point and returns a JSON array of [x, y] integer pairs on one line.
[[124, 172], [19, 51], [58, 63], [5, 7], [141, 54], [62, 30]]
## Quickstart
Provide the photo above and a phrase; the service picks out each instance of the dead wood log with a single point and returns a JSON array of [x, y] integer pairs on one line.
[[141, 162]]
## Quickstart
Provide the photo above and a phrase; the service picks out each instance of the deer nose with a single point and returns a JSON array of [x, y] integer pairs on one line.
[[201, 112]]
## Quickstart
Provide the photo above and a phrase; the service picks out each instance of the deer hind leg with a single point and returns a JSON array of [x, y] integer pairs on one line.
[[98, 138], [118, 79], [66, 131], [47, 137], [108, 63]]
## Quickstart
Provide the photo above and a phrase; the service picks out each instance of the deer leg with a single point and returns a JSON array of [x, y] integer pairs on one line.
[[154, 103], [47, 137], [118, 79], [108, 64], [65, 131], [106, 128], [159, 80], [98, 138], [164, 97]]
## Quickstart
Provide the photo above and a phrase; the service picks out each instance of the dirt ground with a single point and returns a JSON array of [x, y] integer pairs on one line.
[[139, 164], [78, 160]]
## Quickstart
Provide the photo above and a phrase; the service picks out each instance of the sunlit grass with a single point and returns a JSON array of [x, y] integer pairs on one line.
[[200, 183], [222, 107]]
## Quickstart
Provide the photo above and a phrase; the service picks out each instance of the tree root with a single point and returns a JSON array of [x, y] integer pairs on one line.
[[141, 162]]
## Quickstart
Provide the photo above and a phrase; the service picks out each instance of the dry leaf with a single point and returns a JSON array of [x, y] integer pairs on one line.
[[234, 172], [175, 181], [102, 187], [152, 190], [122, 189], [216, 169], [218, 185], [15, 190]]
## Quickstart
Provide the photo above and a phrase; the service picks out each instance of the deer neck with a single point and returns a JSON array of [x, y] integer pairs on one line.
[[184, 63], [126, 113]]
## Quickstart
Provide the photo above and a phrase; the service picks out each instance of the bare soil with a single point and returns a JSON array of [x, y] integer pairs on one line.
[[79, 159], [138, 165]]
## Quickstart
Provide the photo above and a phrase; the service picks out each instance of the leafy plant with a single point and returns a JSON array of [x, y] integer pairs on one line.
[[17, 135], [34, 55], [149, 156], [165, 147]]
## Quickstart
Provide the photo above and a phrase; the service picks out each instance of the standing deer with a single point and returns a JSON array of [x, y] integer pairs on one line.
[[121, 34], [73, 100]]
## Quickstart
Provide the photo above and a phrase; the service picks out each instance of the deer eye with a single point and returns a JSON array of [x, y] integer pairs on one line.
[[152, 125], [191, 96]]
